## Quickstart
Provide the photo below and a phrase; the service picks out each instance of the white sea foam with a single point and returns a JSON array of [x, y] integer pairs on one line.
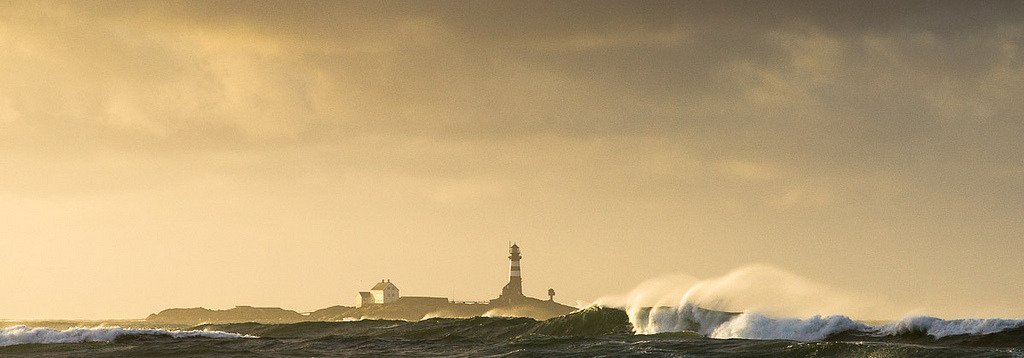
[[37, 335], [751, 325], [938, 328], [757, 326]]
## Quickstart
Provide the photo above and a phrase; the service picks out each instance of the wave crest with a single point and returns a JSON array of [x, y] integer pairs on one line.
[[16, 335]]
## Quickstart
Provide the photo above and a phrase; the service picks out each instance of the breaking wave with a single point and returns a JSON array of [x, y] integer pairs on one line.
[[756, 326], [718, 324], [761, 302], [16, 335]]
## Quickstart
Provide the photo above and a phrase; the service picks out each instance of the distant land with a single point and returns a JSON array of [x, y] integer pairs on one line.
[[405, 308], [384, 301]]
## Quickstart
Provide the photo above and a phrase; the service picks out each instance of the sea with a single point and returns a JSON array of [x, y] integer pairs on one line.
[[590, 332]]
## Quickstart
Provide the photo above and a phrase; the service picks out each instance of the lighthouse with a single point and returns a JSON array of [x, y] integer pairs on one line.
[[514, 289]]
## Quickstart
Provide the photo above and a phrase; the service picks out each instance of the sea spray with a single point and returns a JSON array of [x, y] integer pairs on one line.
[[765, 303], [683, 303], [774, 291], [651, 306]]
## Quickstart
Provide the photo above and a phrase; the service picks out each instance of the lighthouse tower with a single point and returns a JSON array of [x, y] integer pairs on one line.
[[514, 289]]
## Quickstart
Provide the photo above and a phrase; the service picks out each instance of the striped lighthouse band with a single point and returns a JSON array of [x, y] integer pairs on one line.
[[515, 269]]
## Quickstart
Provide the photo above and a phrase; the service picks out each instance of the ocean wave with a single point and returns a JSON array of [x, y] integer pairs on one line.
[[592, 331], [592, 322], [657, 323], [16, 335]]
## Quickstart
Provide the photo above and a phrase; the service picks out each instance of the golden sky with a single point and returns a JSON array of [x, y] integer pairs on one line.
[[213, 153]]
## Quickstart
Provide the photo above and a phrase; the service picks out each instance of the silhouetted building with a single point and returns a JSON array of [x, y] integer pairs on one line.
[[383, 292]]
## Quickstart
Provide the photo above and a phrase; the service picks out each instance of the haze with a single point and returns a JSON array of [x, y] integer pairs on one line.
[[184, 154]]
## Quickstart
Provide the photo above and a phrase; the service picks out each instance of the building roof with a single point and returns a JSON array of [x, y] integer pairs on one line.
[[383, 285]]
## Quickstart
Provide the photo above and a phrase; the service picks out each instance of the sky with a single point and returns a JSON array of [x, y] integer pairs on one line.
[[194, 153]]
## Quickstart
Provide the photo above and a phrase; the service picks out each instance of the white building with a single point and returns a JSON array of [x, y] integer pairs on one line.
[[383, 292]]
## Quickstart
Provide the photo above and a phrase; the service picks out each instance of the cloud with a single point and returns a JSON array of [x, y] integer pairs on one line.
[[765, 85], [295, 73], [814, 124]]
